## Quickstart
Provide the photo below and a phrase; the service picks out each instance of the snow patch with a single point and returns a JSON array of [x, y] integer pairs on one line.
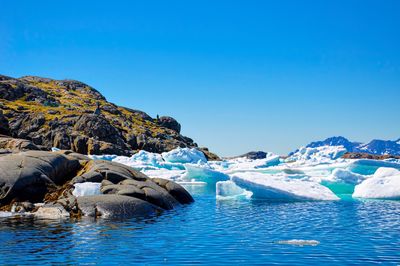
[[86, 189]]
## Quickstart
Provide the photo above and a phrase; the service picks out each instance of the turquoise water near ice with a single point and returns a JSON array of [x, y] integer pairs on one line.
[[217, 233]]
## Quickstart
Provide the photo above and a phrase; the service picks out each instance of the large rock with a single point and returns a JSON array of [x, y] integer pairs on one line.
[[169, 122], [4, 127], [16, 144], [30, 175], [107, 206]]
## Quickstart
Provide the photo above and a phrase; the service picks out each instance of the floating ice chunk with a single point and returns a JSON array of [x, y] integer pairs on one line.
[[203, 173], [165, 173], [54, 149], [244, 164], [144, 160], [106, 157], [184, 155], [342, 181], [192, 183], [299, 242], [282, 188], [229, 190], [86, 189], [385, 184], [323, 154], [6, 214], [345, 176], [141, 160]]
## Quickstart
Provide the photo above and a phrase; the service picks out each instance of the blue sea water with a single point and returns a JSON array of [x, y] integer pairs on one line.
[[215, 232]]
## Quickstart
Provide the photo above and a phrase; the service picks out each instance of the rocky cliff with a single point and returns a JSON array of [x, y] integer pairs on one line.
[[71, 115]]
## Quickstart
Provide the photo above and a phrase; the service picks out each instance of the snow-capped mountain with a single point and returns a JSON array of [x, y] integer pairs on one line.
[[376, 146]]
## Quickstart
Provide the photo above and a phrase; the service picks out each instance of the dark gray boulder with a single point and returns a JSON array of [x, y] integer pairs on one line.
[[107, 206], [30, 175]]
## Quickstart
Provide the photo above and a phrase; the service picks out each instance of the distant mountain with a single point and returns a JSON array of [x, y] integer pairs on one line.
[[376, 146], [335, 141]]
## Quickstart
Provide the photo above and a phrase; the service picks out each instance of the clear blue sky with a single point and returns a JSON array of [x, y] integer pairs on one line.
[[238, 75]]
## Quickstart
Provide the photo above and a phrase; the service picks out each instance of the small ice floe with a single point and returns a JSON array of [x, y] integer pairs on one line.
[[203, 173], [281, 187], [298, 242], [6, 214], [86, 189], [54, 149], [227, 190], [192, 183], [384, 184]]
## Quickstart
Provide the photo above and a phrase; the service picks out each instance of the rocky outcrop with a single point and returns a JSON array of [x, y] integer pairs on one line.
[[169, 122], [4, 127], [71, 115], [11, 144], [31, 177]]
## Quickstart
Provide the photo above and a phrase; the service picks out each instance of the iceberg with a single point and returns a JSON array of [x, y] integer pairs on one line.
[[318, 155], [86, 189], [282, 188], [342, 181], [203, 173], [184, 155], [229, 190], [175, 175], [384, 184]]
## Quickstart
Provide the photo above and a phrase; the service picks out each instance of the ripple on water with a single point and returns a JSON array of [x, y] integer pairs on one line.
[[216, 232]]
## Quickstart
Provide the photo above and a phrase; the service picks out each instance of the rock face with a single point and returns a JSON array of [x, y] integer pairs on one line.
[[169, 122], [40, 176], [71, 115]]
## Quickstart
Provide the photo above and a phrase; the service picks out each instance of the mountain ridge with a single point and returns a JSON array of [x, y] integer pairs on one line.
[[374, 147]]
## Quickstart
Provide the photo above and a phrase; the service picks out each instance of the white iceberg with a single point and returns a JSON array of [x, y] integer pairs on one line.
[[106, 157], [184, 155], [229, 190], [282, 188], [319, 155], [384, 184], [86, 189]]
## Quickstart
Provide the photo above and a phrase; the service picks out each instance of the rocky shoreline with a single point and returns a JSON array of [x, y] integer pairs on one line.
[[42, 183]]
